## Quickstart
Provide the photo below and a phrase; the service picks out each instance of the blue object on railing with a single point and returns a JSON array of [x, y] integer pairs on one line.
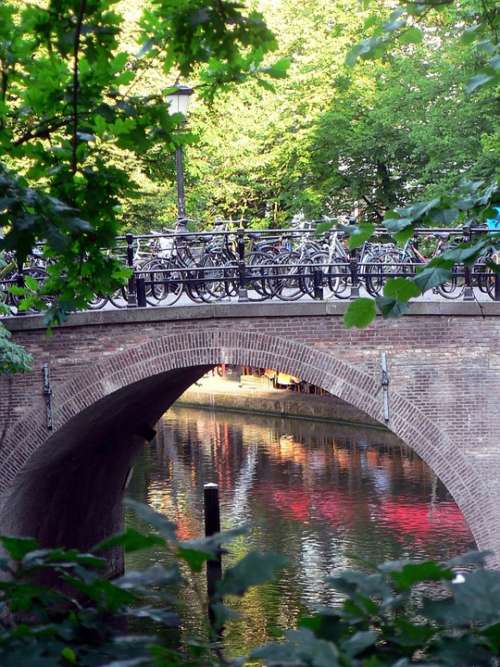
[[493, 224]]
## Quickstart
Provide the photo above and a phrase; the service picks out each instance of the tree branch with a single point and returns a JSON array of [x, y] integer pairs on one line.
[[42, 132], [373, 207]]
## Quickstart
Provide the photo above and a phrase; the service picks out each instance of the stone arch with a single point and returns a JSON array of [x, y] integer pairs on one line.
[[171, 363]]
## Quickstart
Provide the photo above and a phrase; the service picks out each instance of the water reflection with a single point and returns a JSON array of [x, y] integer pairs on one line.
[[326, 496]]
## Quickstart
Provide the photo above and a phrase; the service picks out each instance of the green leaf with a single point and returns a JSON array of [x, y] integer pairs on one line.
[[406, 575], [165, 527], [478, 81], [197, 552], [130, 540], [254, 569], [402, 236], [18, 547], [280, 68], [369, 585], [395, 24], [465, 252], [492, 634], [31, 283], [156, 575], [444, 216], [364, 49], [301, 648], [432, 276], [477, 559], [394, 225], [411, 36], [195, 558], [401, 289], [411, 634], [360, 313], [162, 616], [359, 642], [119, 62], [391, 308], [68, 654], [223, 614], [471, 33], [323, 227], [360, 234], [465, 650]]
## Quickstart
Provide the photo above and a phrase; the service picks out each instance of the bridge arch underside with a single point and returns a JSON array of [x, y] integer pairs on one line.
[[67, 489]]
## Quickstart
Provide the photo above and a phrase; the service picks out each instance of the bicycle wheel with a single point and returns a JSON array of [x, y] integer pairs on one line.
[[217, 278], [97, 302], [452, 288], [290, 277], [163, 279], [377, 269], [119, 298], [307, 273], [338, 278], [262, 283]]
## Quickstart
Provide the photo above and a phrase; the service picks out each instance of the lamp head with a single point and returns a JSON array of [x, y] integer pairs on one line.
[[178, 99]]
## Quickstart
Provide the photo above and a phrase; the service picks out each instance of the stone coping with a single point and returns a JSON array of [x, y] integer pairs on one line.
[[245, 310]]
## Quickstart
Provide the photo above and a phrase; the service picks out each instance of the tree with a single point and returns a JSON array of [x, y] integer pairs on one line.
[[70, 116], [343, 133], [478, 24]]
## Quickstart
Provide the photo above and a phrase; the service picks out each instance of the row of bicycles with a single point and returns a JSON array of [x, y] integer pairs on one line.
[[288, 265], [296, 263]]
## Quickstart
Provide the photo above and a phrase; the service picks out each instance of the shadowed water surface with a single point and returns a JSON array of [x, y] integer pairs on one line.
[[327, 496]]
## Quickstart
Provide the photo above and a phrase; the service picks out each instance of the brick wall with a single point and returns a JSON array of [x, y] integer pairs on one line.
[[444, 378]]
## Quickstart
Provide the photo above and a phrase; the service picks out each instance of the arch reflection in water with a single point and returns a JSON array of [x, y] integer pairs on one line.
[[327, 496]]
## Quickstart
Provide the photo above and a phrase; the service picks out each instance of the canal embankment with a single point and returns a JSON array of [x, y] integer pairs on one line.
[[255, 395]]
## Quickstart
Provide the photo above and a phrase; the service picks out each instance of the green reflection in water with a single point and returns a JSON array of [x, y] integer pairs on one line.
[[328, 497]]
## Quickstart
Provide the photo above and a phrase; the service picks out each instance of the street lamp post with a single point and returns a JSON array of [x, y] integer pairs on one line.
[[178, 102]]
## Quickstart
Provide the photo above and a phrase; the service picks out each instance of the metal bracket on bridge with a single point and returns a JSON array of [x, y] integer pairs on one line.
[[385, 385], [47, 392]]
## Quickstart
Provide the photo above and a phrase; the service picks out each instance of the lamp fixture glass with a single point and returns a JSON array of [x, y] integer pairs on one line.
[[178, 99]]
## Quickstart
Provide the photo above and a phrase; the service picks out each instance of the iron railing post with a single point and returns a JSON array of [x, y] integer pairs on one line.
[[468, 294], [20, 283], [131, 291], [20, 275], [242, 273], [354, 269], [140, 287], [318, 283], [497, 284]]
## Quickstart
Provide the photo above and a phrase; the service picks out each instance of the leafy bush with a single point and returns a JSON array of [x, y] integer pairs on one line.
[[388, 618]]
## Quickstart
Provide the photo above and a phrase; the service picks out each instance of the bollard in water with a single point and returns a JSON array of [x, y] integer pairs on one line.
[[212, 526]]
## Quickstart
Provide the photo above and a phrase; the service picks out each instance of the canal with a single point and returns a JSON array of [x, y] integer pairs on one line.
[[328, 496]]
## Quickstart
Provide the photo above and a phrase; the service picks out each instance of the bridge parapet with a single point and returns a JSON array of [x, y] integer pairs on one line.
[[113, 366]]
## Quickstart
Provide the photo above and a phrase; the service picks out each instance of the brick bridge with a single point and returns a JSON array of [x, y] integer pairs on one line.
[[113, 373]]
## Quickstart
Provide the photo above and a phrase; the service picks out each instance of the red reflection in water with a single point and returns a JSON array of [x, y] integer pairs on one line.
[[421, 519], [295, 504], [334, 507]]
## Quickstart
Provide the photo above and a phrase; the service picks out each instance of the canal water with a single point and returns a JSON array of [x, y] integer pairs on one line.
[[327, 496]]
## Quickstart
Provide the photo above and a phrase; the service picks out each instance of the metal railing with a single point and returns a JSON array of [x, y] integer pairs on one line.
[[284, 265]]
